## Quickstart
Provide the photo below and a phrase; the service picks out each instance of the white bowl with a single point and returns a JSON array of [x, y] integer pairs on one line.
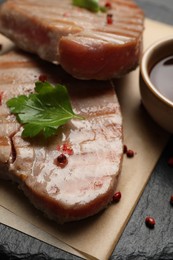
[[157, 105]]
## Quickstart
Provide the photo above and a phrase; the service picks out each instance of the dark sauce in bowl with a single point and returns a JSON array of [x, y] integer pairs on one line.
[[161, 77]]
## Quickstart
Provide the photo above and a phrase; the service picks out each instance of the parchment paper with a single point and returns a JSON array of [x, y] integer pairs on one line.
[[96, 237]]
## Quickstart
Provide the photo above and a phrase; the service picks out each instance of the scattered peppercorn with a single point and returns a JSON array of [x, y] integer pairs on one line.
[[171, 200], [42, 78], [130, 153], [62, 160], [150, 222], [125, 149], [109, 19], [116, 197], [65, 148], [1, 94], [108, 5], [170, 161]]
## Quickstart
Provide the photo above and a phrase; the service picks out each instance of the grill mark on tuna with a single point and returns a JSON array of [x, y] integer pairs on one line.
[[13, 152], [86, 185], [22, 64], [4, 148], [108, 37]]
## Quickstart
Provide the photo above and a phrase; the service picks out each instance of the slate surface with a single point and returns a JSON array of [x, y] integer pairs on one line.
[[137, 241]]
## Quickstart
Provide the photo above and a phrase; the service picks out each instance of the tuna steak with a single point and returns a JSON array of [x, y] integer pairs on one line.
[[87, 183], [86, 44]]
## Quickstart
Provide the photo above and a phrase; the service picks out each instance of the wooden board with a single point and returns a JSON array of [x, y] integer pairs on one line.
[[95, 238]]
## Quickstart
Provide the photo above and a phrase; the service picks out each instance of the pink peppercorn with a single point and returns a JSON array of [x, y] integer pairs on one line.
[[42, 78], [108, 5], [1, 94], [150, 222], [65, 148], [62, 160], [109, 19], [170, 161], [125, 149], [117, 196], [130, 153], [171, 200]]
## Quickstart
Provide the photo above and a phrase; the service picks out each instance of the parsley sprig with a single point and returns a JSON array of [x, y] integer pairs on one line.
[[43, 111], [92, 5]]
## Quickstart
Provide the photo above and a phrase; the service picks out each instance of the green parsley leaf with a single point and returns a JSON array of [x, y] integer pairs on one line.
[[43, 111], [92, 5]]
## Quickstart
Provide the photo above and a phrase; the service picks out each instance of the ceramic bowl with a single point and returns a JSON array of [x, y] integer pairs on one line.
[[157, 105]]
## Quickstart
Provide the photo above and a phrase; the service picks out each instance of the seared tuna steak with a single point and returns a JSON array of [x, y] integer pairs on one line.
[[93, 146], [88, 45]]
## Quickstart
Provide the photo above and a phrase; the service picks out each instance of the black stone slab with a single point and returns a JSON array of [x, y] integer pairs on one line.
[[158, 10], [16, 245], [138, 241]]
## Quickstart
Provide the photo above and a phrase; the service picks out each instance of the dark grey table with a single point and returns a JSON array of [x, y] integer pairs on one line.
[[137, 242]]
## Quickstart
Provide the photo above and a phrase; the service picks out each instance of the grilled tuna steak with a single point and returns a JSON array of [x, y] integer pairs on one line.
[[86, 44], [87, 183]]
